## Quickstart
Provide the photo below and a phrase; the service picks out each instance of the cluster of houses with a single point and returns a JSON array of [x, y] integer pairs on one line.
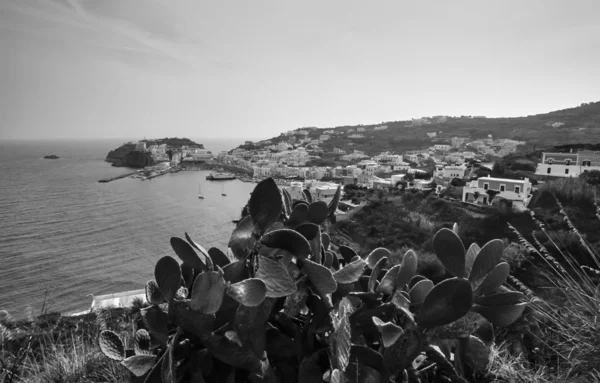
[[453, 158], [174, 154]]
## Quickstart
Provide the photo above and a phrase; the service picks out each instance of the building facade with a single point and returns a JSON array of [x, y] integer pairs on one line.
[[516, 191], [568, 164]]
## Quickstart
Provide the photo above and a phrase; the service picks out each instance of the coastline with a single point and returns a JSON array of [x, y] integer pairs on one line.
[[242, 174], [150, 172]]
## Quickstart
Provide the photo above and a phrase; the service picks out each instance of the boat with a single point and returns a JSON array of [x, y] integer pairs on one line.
[[223, 191], [200, 195], [220, 177]]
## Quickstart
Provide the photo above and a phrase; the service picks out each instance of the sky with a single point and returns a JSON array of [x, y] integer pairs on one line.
[[254, 69]]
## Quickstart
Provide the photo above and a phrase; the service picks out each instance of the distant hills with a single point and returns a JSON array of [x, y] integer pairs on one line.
[[568, 126]]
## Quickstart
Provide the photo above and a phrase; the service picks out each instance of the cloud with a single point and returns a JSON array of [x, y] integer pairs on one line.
[[133, 32]]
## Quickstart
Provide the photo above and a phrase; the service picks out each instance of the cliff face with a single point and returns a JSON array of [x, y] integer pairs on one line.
[[138, 160], [125, 155], [117, 156]]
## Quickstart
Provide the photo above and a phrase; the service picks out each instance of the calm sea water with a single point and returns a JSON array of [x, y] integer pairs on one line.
[[63, 232]]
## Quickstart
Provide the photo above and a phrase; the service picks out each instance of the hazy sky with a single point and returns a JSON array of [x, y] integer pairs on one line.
[[134, 68]]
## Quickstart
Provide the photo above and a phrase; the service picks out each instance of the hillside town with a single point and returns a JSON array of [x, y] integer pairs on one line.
[[294, 158], [322, 159]]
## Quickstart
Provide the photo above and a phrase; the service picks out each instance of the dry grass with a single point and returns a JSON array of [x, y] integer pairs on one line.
[[62, 351], [569, 328], [78, 362]]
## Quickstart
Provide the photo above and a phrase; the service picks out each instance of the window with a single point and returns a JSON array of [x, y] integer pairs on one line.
[[486, 186], [502, 188], [549, 170], [568, 161], [550, 160], [587, 163], [517, 189], [566, 171]]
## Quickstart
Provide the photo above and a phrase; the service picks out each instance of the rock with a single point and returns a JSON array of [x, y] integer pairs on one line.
[[51, 157]]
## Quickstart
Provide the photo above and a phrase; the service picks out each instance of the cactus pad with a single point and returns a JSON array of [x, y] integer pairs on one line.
[[111, 345]]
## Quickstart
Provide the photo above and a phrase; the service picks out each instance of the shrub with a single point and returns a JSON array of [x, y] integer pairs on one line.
[[457, 182], [567, 190], [289, 306]]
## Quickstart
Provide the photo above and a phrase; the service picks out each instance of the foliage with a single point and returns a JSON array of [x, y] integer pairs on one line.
[[457, 182], [592, 177], [567, 190], [291, 307]]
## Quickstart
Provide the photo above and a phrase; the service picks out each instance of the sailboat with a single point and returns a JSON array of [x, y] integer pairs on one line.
[[223, 190], [200, 195]]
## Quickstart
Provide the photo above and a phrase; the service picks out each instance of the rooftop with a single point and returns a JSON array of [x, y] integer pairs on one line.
[[503, 179]]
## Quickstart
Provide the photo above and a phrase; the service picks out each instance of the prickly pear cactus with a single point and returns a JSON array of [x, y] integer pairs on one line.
[[111, 345], [290, 306]]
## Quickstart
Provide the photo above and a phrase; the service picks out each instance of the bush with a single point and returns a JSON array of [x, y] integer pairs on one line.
[[289, 306], [457, 182], [567, 190]]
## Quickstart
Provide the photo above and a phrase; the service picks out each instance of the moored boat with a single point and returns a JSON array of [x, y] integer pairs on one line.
[[220, 177]]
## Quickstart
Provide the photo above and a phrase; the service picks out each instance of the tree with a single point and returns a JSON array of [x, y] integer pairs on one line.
[[497, 170], [592, 177], [457, 182], [401, 185], [492, 194]]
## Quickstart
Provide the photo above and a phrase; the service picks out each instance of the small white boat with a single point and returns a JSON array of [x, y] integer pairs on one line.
[[223, 190], [200, 195]]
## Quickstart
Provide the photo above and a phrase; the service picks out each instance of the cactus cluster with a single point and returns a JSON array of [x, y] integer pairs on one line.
[[289, 306]]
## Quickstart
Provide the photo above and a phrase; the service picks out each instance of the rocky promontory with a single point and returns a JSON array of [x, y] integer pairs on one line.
[[51, 157], [148, 152]]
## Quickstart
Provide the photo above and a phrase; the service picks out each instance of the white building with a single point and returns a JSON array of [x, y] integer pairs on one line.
[[516, 191], [457, 142], [324, 137], [360, 129], [456, 171], [175, 158], [368, 167], [356, 135], [397, 177], [442, 147], [381, 127], [261, 172], [568, 164]]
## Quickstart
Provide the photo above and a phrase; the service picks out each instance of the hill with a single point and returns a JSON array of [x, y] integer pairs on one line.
[[567, 126]]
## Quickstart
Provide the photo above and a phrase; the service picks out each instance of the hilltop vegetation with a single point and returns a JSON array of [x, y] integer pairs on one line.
[[173, 142]]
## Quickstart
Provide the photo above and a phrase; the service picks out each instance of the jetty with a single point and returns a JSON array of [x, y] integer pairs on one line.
[[105, 180]]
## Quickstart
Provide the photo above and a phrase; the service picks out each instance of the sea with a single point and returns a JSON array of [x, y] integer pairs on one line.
[[64, 237]]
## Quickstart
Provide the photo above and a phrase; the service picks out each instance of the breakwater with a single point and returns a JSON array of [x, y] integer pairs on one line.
[[106, 180]]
